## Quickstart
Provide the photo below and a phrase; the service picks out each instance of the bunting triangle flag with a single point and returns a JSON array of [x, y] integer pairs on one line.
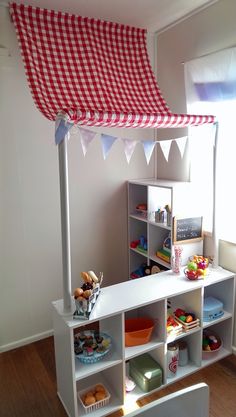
[[129, 148], [107, 142], [62, 128], [86, 137], [148, 146], [165, 147], [181, 143]]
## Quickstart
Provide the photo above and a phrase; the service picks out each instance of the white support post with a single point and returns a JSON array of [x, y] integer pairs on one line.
[[65, 223], [215, 239]]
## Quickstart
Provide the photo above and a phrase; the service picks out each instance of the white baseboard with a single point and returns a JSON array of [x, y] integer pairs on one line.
[[26, 341]]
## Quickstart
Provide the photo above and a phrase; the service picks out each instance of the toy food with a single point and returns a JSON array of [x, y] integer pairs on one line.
[[173, 327], [210, 342], [89, 399], [188, 320], [86, 277], [94, 395], [141, 206], [86, 296], [93, 277], [78, 292], [197, 267], [90, 282], [184, 316]]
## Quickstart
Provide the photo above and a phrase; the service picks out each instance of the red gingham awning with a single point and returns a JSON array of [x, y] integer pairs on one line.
[[95, 71]]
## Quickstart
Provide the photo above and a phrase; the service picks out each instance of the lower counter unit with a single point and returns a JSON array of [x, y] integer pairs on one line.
[[147, 364]]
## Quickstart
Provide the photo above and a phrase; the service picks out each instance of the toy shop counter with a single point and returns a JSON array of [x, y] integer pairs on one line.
[[127, 295]]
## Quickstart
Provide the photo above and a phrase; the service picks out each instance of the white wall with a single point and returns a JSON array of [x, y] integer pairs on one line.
[[30, 251], [210, 30], [30, 247]]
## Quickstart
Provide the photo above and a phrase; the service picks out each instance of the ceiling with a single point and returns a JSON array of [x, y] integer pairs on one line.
[[154, 15]]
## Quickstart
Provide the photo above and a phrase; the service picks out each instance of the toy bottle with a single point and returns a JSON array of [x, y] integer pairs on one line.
[[183, 353], [172, 359], [177, 259]]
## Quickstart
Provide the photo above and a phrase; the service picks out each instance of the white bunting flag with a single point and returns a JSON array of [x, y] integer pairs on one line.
[[181, 143], [129, 148], [107, 142], [86, 137], [148, 146], [165, 147]]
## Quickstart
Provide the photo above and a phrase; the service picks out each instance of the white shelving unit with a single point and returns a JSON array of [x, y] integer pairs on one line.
[[157, 194], [144, 296]]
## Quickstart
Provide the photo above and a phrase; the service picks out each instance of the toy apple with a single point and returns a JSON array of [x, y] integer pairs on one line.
[[179, 312], [192, 275], [192, 266]]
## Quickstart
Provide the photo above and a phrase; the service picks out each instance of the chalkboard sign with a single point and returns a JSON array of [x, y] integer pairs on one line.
[[189, 229]]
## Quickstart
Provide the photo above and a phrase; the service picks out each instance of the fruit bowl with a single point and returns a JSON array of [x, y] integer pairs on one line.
[[211, 344], [197, 268]]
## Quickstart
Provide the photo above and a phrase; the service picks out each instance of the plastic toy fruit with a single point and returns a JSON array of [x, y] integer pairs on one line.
[[197, 267], [192, 275], [179, 312], [192, 266], [211, 342], [201, 261], [189, 318]]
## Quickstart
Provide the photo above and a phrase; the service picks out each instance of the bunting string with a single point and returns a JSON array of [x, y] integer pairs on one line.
[[86, 137]]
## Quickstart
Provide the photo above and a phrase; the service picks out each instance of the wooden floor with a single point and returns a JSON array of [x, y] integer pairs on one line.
[[28, 384]]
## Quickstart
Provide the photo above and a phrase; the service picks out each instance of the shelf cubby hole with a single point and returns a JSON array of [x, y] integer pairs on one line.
[[223, 291], [194, 356], [156, 312], [190, 302], [137, 229], [113, 380], [156, 239], [137, 195]]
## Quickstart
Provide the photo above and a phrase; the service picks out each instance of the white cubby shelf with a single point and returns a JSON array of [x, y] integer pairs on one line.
[[147, 296]]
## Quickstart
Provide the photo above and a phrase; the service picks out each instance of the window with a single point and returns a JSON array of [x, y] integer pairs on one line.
[[211, 88]]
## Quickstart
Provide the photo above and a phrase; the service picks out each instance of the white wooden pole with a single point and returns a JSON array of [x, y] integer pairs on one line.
[[215, 239], [65, 224]]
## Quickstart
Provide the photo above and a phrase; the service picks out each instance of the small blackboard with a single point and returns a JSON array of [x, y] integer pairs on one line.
[[185, 230]]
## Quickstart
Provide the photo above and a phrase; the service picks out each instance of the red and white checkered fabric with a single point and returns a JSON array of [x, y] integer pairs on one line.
[[97, 72]]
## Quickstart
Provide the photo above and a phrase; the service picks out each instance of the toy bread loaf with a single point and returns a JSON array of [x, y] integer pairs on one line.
[[93, 276], [86, 277]]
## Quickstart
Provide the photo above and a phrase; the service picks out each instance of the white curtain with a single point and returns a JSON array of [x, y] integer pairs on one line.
[[211, 88]]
